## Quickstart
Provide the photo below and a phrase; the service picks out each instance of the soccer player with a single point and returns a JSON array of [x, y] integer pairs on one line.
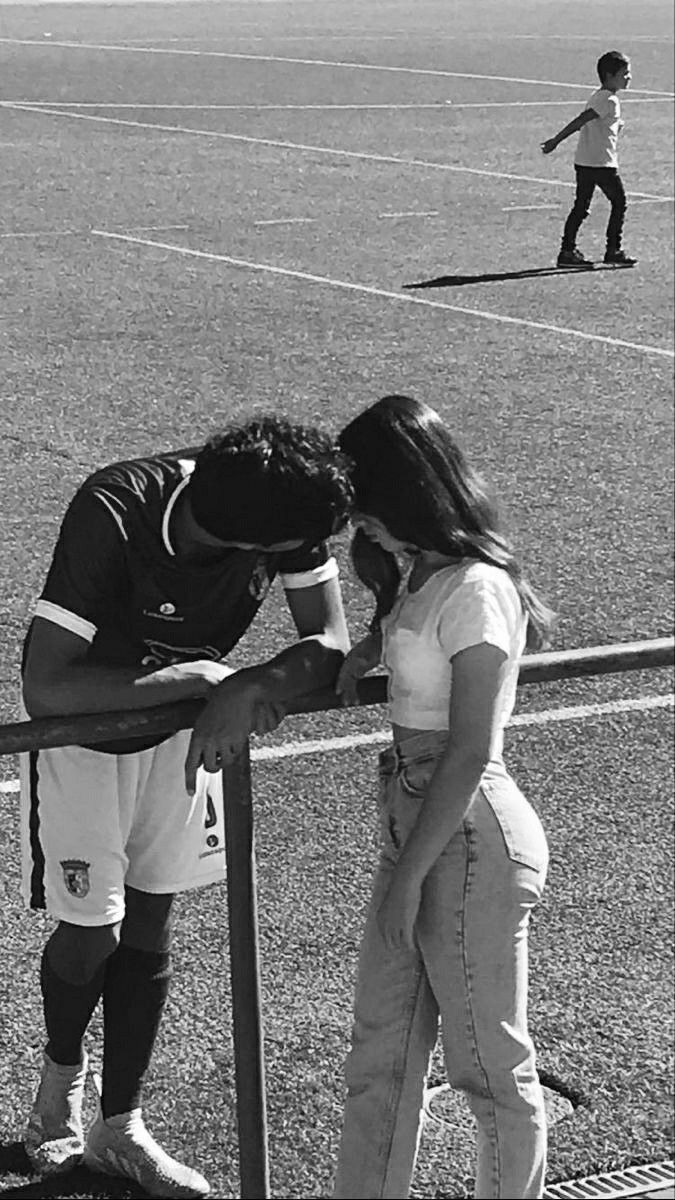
[[160, 566], [596, 162]]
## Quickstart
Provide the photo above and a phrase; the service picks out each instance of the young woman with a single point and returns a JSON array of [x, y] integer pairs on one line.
[[464, 857]]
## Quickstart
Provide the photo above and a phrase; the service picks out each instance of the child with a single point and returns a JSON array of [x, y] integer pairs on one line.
[[464, 857], [596, 162]]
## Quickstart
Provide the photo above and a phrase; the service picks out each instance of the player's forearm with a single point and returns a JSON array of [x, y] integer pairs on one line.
[[307, 666], [84, 688]]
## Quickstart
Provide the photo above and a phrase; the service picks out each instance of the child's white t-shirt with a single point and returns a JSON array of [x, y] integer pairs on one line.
[[597, 146], [463, 605]]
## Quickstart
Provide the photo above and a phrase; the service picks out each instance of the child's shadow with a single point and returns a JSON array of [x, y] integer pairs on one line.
[[76, 1183]]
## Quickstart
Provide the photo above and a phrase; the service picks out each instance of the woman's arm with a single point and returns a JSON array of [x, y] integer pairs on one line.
[[477, 674]]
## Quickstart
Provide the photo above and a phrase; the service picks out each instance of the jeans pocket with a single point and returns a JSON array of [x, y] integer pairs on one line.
[[414, 777], [521, 829]]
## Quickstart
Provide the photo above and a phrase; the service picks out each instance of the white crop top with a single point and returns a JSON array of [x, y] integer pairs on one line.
[[459, 606]]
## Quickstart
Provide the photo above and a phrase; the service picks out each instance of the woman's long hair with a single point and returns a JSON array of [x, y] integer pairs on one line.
[[410, 474]]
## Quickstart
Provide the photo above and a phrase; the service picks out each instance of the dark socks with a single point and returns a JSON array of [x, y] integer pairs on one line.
[[134, 994], [67, 1008]]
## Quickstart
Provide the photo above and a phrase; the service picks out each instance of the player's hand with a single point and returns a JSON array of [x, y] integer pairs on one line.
[[549, 145], [268, 715], [359, 661], [233, 710]]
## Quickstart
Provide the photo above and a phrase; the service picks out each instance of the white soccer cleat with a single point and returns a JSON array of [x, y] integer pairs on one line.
[[54, 1141], [123, 1146]]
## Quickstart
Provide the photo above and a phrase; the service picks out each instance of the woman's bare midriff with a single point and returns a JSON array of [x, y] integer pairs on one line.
[[401, 732]]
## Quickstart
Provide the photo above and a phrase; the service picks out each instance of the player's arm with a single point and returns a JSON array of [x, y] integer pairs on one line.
[[582, 118], [256, 697], [312, 662], [58, 679]]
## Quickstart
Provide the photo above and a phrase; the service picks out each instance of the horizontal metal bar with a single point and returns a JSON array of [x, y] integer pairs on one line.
[[92, 728]]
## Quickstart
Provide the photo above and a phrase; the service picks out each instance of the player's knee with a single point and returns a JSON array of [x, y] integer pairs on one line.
[[147, 921], [77, 952]]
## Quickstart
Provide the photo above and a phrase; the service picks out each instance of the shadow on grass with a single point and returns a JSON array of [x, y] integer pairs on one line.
[[73, 1184], [504, 276]]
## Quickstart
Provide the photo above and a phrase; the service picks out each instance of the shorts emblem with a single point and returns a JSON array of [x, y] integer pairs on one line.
[[76, 876]]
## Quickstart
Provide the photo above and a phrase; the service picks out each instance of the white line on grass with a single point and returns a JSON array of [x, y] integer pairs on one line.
[[310, 62], [40, 233], [432, 213], [287, 221], [389, 37], [186, 130], [405, 298], [309, 107], [527, 207], [578, 712]]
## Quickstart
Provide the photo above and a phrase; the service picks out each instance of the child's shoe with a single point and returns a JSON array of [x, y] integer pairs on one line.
[[618, 258], [54, 1140], [572, 258], [121, 1145]]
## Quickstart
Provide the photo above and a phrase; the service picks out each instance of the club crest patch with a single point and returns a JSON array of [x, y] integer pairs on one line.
[[259, 583], [76, 876]]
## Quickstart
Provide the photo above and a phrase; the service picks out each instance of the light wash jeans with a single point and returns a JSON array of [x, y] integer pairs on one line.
[[469, 968]]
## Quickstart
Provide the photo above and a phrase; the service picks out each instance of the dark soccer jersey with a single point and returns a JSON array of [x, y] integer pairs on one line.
[[116, 581]]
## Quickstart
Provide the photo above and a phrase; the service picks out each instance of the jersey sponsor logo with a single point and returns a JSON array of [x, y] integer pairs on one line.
[[160, 654], [208, 853], [76, 876], [259, 583], [165, 612]]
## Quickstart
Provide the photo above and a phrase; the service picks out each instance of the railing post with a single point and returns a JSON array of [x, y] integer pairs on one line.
[[245, 977]]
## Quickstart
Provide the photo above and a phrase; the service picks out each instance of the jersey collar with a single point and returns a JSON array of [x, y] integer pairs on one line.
[[187, 468]]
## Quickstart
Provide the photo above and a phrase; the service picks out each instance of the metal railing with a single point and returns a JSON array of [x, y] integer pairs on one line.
[[49, 732]]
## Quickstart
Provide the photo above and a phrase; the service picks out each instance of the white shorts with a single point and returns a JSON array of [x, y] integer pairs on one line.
[[93, 822]]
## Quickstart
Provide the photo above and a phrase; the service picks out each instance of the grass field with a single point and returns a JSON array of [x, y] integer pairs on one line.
[[215, 209]]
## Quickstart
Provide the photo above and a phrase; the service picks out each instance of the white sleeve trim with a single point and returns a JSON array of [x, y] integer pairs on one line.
[[307, 579], [67, 620]]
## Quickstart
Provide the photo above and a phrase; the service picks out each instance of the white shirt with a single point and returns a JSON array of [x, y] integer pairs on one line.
[[459, 606], [598, 139]]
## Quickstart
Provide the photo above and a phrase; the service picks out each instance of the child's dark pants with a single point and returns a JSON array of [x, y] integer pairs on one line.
[[609, 182]]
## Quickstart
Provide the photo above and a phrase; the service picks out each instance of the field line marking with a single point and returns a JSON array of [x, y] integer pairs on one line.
[[436, 104], [433, 212], [39, 233], [405, 298], [307, 149], [578, 712], [529, 207], [287, 221], [309, 62], [389, 37]]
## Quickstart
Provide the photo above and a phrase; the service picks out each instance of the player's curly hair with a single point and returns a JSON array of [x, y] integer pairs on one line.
[[410, 473], [271, 481]]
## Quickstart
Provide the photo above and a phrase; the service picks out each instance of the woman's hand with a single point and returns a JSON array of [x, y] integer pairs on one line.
[[398, 912], [361, 659]]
